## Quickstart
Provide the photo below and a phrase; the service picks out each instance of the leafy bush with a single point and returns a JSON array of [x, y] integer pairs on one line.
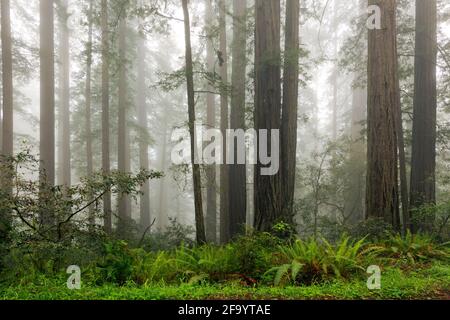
[[117, 264], [206, 262], [152, 267], [254, 254], [312, 260]]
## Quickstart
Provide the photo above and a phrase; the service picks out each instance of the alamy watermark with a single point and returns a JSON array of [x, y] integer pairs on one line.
[[242, 147]]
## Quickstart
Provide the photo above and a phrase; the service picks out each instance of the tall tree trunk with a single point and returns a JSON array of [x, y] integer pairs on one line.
[[267, 107], [47, 107], [211, 192], [237, 172], [143, 129], [123, 154], [7, 83], [88, 99], [382, 172], [224, 169], [162, 203], [402, 163], [290, 108], [423, 160], [64, 100], [199, 223], [47, 97], [354, 197], [105, 113], [7, 103]]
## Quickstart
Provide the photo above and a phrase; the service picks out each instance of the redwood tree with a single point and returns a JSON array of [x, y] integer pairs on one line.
[[267, 194], [382, 173], [423, 158]]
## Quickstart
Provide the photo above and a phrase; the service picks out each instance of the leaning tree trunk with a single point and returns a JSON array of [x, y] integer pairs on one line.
[[105, 113], [64, 100], [267, 107], [423, 158], [382, 173], [237, 172], [224, 168], [211, 192], [290, 105], [199, 223]]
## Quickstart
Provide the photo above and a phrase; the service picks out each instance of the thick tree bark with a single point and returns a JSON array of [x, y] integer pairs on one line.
[[211, 192], [143, 129], [105, 113], [237, 172], [290, 108], [199, 222], [267, 107], [382, 173], [64, 100], [122, 139], [88, 100], [47, 97], [423, 161], [224, 125]]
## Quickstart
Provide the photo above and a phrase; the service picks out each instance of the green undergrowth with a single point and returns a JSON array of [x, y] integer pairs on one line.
[[431, 282]]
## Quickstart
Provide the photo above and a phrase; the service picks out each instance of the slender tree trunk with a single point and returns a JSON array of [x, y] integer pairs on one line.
[[354, 196], [267, 107], [7, 84], [224, 169], [382, 172], [402, 164], [423, 158], [88, 99], [237, 172], [199, 223], [7, 103], [211, 192], [105, 113], [143, 129], [334, 127], [123, 161], [162, 204], [64, 100], [290, 108], [47, 98]]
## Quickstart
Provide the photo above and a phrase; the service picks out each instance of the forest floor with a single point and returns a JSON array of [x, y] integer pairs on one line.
[[430, 281]]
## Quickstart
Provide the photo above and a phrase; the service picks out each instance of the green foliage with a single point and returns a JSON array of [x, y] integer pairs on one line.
[[117, 264], [315, 261], [412, 249], [422, 283], [254, 253], [201, 263], [172, 237], [153, 267]]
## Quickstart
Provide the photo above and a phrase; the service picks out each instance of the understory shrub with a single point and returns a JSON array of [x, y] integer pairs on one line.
[[309, 261]]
